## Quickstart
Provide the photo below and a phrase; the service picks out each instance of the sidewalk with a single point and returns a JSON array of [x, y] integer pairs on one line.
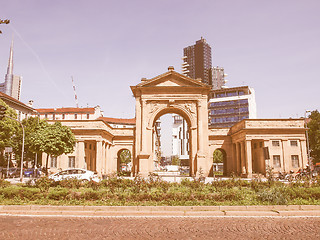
[[160, 211]]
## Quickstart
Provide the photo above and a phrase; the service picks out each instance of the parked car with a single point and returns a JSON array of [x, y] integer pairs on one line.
[[32, 172], [12, 172], [81, 174]]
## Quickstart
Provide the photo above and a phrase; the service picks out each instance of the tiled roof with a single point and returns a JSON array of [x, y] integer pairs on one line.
[[12, 99], [65, 110], [118, 120]]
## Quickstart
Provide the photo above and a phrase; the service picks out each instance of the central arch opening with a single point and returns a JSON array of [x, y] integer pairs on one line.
[[219, 163], [171, 145]]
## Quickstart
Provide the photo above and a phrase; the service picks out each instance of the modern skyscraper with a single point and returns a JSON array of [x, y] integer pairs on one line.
[[12, 83], [197, 61]]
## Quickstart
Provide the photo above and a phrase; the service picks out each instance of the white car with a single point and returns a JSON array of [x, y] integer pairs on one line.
[[78, 173]]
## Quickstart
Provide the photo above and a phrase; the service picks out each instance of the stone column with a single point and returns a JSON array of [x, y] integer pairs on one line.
[[200, 129], [304, 154], [81, 163], [242, 162], [238, 158], [144, 127], [266, 143], [286, 157], [248, 158], [193, 150], [99, 158], [203, 160], [103, 163]]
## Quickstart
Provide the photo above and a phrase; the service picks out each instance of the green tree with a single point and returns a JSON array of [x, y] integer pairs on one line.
[[217, 156], [175, 160], [125, 156], [52, 139], [314, 135], [8, 130], [31, 125]]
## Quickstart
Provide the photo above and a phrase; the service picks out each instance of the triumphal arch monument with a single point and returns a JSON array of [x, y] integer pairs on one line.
[[249, 147], [171, 92]]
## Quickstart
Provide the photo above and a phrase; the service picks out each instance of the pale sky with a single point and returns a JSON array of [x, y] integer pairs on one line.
[[107, 46]]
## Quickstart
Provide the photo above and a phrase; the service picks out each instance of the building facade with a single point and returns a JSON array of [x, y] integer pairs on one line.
[[197, 61], [89, 113], [180, 138], [23, 110], [228, 106]]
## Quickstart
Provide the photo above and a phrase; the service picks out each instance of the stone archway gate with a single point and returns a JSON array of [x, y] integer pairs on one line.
[[171, 92]]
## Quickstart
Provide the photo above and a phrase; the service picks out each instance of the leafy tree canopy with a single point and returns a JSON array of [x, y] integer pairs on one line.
[[53, 139], [125, 156], [8, 129], [217, 156]]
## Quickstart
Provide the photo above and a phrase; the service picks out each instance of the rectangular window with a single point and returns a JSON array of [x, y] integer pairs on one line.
[[53, 116], [88, 116], [276, 161], [231, 94], [295, 161], [243, 101], [53, 162], [294, 143], [72, 162], [75, 116], [63, 116], [276, 143], [219, 95]]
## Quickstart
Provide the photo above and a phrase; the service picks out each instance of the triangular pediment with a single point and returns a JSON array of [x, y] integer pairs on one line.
[[171, 79]]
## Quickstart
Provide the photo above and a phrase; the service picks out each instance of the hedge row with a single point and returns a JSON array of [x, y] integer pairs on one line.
[[154, 191]]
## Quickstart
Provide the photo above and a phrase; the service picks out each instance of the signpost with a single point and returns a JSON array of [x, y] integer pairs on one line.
[[9, 151]]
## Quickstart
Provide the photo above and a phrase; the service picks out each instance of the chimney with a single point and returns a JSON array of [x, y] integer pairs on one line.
[[30, 103]]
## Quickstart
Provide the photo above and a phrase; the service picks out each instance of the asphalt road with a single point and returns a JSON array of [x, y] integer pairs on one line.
[[159, 227]]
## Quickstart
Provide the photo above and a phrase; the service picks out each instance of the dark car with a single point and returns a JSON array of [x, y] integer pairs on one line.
[[10, 173], [31, 172]]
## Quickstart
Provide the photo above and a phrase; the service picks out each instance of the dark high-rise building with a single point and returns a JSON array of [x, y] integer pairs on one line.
[[197, 61]]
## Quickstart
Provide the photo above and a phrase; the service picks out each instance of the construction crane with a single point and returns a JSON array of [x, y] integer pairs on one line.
[[75, 93]]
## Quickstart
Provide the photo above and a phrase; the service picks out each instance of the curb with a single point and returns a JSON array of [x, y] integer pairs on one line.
[[160, 211]]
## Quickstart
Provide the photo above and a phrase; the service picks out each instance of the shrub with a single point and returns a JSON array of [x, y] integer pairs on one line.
[[43, 183], [92, 184], [58, 194], [90, 194], [273, 196], [71, 183], [4, 183], [19, 193]]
